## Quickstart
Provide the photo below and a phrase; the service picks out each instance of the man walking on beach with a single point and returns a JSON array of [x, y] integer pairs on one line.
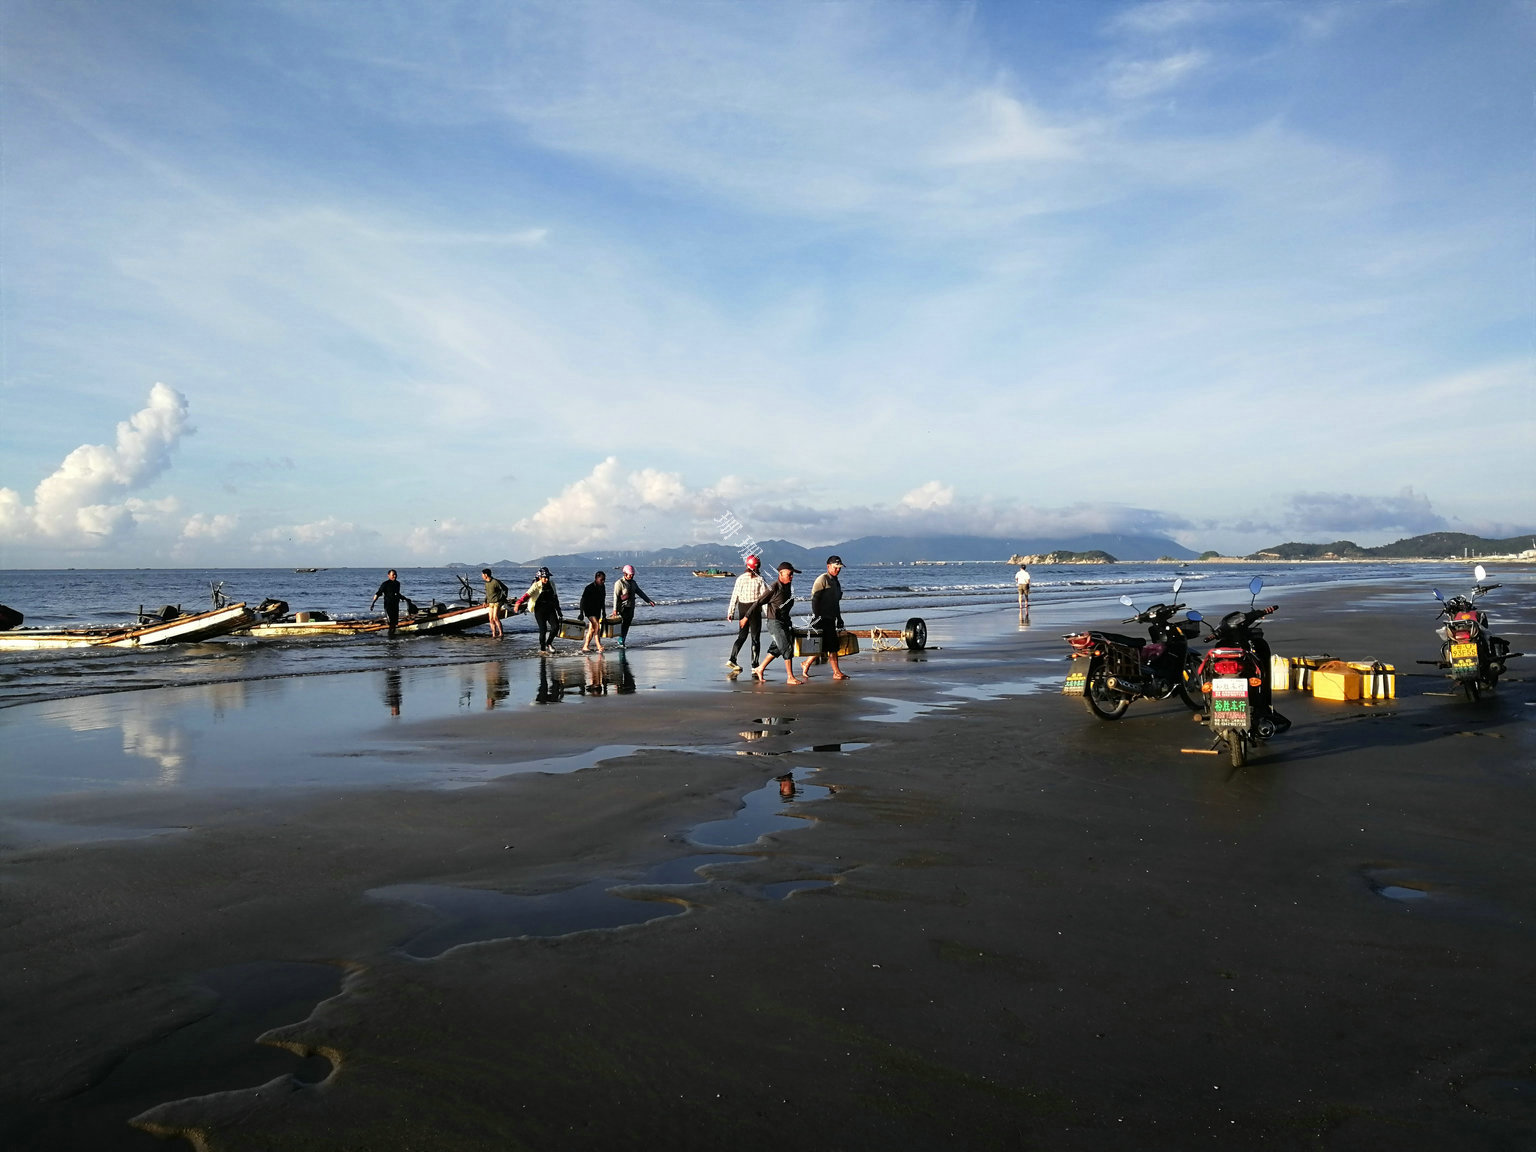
[[625, 593], [1021, 579], [593, 599], [826, 618], [774, 606], [390, 590], [496, 599], [749, 589]]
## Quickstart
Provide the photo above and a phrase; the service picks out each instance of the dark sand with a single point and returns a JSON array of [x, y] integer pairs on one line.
[[1043, 931]]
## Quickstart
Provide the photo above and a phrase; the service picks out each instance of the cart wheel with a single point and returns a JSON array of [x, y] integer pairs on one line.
[[915, 634]]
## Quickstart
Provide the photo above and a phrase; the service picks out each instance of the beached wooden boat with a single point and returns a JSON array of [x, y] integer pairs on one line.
[[178, 630], [308, 625], [440, 619], [717, 572]]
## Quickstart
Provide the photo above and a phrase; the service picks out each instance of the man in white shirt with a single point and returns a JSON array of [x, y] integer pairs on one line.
[[1021, 579], [749, 589]]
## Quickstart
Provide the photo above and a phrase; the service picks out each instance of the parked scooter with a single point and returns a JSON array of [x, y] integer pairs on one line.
[[1234, 680], [1474, 655], [1109, 670]]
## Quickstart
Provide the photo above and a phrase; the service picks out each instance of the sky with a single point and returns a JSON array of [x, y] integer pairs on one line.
[[316, 283]]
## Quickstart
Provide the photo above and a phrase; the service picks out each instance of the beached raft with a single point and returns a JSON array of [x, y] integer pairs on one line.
[[176, 630]]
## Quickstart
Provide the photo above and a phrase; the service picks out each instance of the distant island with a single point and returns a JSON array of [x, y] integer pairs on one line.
[[1096, 548], [1430, 546]]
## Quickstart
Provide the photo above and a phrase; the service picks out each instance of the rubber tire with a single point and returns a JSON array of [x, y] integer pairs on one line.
[[1469, 690], [1111, 711], [1189, 687], [915, 634], [1237, 748]]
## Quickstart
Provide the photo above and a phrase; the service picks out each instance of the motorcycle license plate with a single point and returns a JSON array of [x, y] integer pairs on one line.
[[1229, 703], [1463, 652], [1077, 679]]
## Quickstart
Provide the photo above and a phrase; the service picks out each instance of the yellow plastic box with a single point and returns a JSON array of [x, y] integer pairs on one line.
[[810, 644], [1378, 681], [1336, 680]]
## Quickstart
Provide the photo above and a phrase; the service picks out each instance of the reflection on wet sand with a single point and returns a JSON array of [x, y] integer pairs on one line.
[[149, 732], [392, 691], [591, 675]]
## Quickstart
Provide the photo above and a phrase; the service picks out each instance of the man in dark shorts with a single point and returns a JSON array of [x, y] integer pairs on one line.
[[826, 618], [594, 598], [775, 604], [390, 591], [495, 599]]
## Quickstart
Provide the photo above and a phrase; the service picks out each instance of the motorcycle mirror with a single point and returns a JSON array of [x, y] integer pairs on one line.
[[1127, 601], [1194, 615], [1480, 573], [1440, 596], [1177, 584], [1255, 584]]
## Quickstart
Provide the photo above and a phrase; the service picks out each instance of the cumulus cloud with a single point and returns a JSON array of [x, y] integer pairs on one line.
[[328, 532], [215, 527], [602, 506], [927, 496], [86, 500]]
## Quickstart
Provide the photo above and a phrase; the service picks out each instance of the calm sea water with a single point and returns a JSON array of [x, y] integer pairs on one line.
[[687, 605]]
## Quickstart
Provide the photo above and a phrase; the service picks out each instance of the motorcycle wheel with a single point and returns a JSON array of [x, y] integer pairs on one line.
[[1237, 748], [1103, 703], [1189, 685], [1469, 690]]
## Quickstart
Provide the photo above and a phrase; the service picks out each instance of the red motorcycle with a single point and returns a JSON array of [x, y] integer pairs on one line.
[[1474, 655], [1234, 680], [1109, 670]]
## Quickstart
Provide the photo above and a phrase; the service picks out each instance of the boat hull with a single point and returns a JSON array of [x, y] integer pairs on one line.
[[183, 630]]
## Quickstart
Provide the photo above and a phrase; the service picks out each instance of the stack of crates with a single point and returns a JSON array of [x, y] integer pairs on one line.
[[1330, 679]]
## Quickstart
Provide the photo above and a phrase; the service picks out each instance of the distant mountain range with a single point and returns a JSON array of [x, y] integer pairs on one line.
[[869, 550], [1430, 546]]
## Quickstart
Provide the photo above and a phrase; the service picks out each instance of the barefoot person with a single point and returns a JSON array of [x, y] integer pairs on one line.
[[593, 599], [625, 593], [1021, 581], [749, 589], [390, 591], [775, 605], [496, 599], [826, 618]]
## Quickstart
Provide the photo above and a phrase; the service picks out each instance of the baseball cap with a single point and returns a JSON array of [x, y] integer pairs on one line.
[[787, 565], [834, 559]]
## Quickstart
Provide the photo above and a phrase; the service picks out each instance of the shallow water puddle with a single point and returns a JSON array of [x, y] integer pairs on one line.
[[1399, 892], [843, 746], [902, 711], [762, 812], [474, 915], [215, 1051]]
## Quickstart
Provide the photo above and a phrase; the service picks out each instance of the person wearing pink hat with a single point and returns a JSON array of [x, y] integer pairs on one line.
[[744, 597], [625, 592]]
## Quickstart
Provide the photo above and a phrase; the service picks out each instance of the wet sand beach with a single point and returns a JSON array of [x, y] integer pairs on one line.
[[936, 906]]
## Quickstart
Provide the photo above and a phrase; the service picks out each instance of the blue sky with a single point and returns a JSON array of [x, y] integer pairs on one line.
[[327, 283]]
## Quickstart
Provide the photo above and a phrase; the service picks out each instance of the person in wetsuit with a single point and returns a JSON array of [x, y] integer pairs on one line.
[[390, 591], [625, 593]]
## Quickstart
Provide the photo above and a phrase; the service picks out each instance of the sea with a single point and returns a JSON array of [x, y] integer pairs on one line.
[[886, 596]]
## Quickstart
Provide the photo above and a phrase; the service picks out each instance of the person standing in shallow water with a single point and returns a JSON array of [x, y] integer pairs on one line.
[[390, 591], [1021, 581], [748, 591], [593, 598], [496, 598], [625, 593], [826, 618]]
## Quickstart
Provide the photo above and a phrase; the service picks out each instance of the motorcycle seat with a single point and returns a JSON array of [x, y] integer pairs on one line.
[[1130, 641], [1152, 651]]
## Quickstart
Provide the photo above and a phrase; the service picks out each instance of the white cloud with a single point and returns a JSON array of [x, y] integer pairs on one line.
[[86, 499], [928, 496], [215, 527], [604, 506], [1138, 79]]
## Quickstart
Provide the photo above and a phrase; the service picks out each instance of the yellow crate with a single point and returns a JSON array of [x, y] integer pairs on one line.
[[1378, 681], [809, 644], [1336, 680]]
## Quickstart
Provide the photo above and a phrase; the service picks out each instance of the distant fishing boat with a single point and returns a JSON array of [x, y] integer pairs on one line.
[[177, 629], [717, 572], [309, 569]]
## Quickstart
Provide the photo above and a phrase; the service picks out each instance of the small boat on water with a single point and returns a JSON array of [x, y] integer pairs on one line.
[[273, 621], [171, 630], [716, 572]]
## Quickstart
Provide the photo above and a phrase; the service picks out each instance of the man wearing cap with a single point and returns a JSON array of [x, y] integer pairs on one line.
[[625, 592], [750, 587], [775, 604], [826, 617]]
